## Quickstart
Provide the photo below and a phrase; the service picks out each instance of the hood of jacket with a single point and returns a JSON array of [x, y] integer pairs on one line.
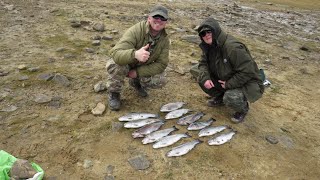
[[219, 36]]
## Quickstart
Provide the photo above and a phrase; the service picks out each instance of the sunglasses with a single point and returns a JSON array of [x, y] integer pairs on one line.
[[204, 33], [157, 17]]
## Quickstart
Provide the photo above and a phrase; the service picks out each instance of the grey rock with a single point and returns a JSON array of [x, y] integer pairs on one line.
[[114, 31], [46, 77], [96, 43], [100, 86], [33, 69], [60, 49], [3, 73], [55, 104], [109, 169], [9, 109], [108, 38], [23, 78], [22, 169], [69, 56], [139, 162], [272, 139], [99, 27], [42, 98], [60, 79], [89, 50]]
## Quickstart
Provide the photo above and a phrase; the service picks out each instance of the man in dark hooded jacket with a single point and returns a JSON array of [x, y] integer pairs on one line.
[[226, 70]]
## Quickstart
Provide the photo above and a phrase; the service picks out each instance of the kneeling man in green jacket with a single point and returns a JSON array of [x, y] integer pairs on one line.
[[142, 55], [226, 70]]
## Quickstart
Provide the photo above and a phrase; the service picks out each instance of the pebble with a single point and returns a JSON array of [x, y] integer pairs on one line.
[[272, 139]]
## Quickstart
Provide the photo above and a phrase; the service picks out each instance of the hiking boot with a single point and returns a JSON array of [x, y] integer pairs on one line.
[[136, 84], [238, 117], [215, 101], [114, 101]]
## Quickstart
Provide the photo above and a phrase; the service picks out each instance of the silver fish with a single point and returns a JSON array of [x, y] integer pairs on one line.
[[183, 148], [169, 140], [155, 136], [208, 131], [147, 129], [176, 113], [200, 125], [171, 106], [221, 139], [190, 118], [141, 122], [137, 115]]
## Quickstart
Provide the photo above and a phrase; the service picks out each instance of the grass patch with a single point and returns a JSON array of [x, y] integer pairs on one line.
[[71, 46]]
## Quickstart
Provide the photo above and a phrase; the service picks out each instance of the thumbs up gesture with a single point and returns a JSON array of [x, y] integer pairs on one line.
[[142, 55]]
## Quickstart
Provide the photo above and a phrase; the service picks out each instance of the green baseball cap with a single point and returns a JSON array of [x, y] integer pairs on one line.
[[159, 10]]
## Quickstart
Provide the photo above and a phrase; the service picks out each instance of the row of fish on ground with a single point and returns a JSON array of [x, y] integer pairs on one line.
[[148, 125]]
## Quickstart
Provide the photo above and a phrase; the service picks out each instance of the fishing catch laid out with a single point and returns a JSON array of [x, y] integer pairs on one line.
[[148, 126]]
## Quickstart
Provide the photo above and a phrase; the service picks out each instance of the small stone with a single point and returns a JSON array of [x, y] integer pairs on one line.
[[89, 50], [46, 77], [110, 169], [139, 162], [22, 67], [60, 49], [33, 69], [100, 86], [3, 73], [108, 38], [23, 78], [99, 109], [99, 27], [87, 164], [9, 109], [114, 31], [42, 98], [96, 43], [60, 79], [272, 139]]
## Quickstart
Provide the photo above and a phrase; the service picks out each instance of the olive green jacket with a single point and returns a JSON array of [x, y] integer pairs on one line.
[[229, 60], [133, 39]]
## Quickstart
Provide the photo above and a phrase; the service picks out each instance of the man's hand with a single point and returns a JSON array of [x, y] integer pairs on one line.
[[222, 83], [142, 55], [208, 84], [132, 73]]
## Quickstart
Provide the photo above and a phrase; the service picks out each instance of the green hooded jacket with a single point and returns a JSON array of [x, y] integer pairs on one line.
[[229, 60], [133, 39]]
